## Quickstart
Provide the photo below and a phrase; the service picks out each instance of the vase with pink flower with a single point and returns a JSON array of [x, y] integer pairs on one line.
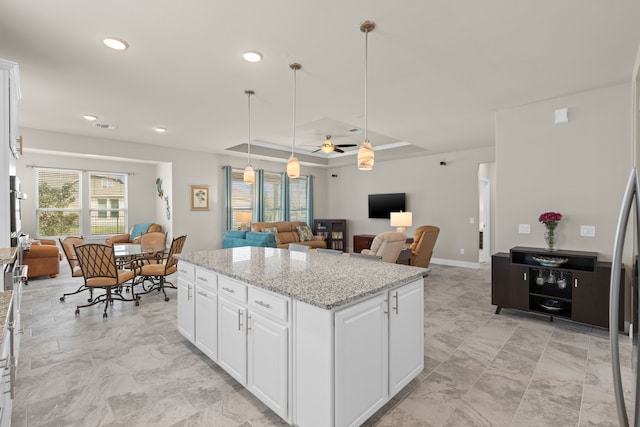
[[550, 221]]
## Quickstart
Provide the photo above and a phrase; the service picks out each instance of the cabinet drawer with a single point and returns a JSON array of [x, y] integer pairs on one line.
[[269, 303], [186, 271], [207, 279], [232, 289]]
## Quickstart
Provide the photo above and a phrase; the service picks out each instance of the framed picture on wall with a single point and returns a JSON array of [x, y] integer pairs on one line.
[[199, 197]]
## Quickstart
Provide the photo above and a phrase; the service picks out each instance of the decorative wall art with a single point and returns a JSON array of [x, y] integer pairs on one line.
[[163, 197], [199, 197]]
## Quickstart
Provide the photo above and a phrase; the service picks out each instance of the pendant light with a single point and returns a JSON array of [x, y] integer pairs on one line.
[[249, 176], [293, 165], [365, 152]]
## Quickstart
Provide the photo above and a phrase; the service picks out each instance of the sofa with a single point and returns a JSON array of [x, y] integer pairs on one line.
[[43, 259], [287, 232], [133, 236], [238, 238]]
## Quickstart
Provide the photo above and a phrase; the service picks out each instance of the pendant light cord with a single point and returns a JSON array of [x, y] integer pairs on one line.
[[293, 144], [366, 73], [249, 115]]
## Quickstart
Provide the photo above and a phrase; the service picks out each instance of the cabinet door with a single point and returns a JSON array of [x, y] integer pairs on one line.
[[589, 299], [406, 334], [361, 360], [232, 339], [186, 309], [268, 359], [207, 322], [500, 276], [517, 290]]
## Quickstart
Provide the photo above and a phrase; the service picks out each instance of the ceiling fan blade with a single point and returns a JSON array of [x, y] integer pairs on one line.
[[345, 145], [315, 151], [337, 150]]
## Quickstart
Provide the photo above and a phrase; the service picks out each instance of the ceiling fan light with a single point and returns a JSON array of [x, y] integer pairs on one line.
[[293, 167], [365, 156], [249, 176], [327, 147]]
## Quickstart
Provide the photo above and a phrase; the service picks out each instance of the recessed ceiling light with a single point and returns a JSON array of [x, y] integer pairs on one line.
[[160, 130], [90, 117], [252, 56], [116, 44]]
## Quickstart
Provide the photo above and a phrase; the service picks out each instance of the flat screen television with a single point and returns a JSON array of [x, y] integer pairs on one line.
[[381, 205]]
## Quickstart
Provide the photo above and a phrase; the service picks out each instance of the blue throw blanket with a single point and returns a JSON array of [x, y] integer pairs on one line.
[[139, 229]]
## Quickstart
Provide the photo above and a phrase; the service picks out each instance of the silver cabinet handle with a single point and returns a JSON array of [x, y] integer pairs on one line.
[[395, 296], [264, 304], [239, 319], [575, 282], [204, 279], [524, 276], [248, 323], [188, 292], [204, 294], [386, 306], [231, 291]]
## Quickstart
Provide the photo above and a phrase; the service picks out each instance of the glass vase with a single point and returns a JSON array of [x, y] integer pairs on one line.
[[551, 237]]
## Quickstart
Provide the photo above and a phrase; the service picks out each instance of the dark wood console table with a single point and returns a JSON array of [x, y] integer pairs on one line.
[[577, 289], [362, 241]]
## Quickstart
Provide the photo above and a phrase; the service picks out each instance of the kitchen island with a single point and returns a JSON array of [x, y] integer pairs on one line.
[[322, 339]]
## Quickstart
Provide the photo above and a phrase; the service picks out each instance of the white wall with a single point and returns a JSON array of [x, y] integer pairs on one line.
[[578, 168], [445, 196], [203, 228]]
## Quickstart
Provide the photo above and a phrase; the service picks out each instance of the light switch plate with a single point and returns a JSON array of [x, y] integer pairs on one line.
[[588, 230], [524, 228]]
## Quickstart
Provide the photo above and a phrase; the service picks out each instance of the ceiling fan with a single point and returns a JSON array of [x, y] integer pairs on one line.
[[329, 147]]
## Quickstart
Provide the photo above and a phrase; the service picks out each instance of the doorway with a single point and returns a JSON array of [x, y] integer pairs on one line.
[[486, 175]]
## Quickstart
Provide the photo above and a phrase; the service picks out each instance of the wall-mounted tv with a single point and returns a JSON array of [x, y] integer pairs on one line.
[[381, 205]]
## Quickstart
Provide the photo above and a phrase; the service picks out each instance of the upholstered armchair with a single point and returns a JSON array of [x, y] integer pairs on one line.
[[43, 258], [133, 236], [424, 239], [387, 245]]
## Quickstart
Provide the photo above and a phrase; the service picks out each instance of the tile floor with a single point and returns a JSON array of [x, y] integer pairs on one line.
[[481, 369]]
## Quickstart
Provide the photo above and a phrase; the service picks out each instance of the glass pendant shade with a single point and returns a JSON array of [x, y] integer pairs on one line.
[[293, 167], [249, 176], [365, 156], [326, 147]]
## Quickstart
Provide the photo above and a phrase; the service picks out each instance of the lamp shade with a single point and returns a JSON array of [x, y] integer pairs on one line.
[[293, 167], [244, 216], [365, 156], [400, 220], [249, 176]]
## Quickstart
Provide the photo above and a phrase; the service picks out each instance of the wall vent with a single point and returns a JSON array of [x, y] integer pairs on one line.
[[104, 126]]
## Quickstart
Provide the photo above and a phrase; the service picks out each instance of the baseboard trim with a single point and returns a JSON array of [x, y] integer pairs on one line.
[[455, 263]]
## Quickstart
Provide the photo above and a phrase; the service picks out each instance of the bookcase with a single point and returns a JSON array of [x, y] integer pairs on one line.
[[334, 232]]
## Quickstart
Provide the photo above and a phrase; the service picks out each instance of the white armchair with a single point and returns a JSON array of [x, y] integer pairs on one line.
[[387, 245]]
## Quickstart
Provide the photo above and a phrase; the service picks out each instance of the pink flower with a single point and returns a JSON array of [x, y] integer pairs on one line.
[[550, 219]]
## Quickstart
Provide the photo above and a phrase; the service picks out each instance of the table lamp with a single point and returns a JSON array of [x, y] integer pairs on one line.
[[400, 220], [245, 218]]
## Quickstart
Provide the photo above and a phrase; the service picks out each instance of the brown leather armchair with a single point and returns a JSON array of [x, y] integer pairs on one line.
[[120, 239], [424, 239], [43, 259]]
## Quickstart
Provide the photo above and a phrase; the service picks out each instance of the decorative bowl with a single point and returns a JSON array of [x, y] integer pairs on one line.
[[552, 305], [550, 261]]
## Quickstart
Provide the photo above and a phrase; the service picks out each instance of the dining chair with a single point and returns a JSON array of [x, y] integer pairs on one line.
[[98, 265], [67, 245], [153, 244], [157, 273], [299, 248]]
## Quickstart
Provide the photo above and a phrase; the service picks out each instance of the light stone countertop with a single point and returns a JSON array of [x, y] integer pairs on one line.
[[324, 280], [7, 255]]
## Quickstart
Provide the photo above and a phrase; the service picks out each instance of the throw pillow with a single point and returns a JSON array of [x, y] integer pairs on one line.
[[305, 233], [272, 230]]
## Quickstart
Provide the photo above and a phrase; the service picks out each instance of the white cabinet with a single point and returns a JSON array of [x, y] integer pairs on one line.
[[206, 316], [268, 360], [186, 309], [406, 335], [379, 348], [232, 339], [361, 372]]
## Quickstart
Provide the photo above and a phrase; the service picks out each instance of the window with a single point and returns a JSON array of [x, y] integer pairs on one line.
[[107, 195], [241, 197], [272, 193], [58, 208], [298, 199]]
